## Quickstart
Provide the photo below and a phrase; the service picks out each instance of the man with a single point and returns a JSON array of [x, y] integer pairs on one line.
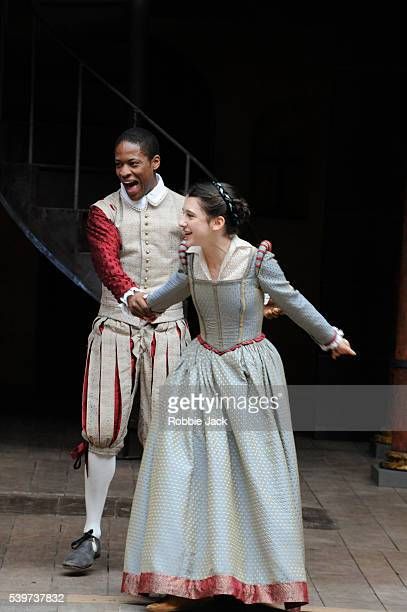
[[134, 237]]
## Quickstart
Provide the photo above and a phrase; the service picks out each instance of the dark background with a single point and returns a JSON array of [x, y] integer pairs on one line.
[[304, 111]]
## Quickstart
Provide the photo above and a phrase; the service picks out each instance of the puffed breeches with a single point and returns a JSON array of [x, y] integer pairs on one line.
[[120, 358]]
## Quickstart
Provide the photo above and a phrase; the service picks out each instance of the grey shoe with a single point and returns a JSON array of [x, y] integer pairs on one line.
[[83, 553]]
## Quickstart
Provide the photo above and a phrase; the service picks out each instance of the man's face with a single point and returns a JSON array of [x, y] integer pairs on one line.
[[135, 170]]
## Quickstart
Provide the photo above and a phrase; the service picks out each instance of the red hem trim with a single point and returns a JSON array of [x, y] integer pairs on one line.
[[149, 582]]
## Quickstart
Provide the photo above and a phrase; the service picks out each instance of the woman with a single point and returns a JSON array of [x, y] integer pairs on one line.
[[217, 506]]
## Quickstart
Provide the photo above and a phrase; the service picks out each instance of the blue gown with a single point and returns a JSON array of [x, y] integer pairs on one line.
[[217, 506]]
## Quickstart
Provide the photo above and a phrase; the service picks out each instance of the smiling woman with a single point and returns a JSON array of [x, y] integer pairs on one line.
[[210, 218], [203, 482]]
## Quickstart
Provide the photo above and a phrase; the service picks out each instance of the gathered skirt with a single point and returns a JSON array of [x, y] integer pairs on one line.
[[217, 507]]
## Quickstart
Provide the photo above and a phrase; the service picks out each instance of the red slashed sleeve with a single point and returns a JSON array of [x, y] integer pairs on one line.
[[105, 244]]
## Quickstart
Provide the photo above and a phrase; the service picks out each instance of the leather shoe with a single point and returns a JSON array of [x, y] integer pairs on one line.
[[84, 551]]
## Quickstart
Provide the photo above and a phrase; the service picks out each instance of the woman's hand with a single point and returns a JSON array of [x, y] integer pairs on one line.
[[343, 348]]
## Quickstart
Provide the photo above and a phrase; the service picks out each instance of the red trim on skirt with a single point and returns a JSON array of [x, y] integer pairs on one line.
[[149, 582]]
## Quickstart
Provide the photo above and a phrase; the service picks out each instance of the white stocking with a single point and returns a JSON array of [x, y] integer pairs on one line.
[[101, 469]]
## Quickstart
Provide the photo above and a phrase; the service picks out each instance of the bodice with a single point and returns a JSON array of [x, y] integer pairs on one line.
[[229, 311]]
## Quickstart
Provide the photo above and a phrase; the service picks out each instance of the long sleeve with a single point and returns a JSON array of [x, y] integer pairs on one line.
[[292, 302], [173, 291], [105, 244]]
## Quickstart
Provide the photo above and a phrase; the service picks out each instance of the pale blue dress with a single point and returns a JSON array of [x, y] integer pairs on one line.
[[217, 508]]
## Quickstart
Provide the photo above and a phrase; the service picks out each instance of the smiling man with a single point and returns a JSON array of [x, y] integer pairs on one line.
[[134, 237]]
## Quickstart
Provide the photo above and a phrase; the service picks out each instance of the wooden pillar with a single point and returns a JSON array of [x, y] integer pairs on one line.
[[396, 458]]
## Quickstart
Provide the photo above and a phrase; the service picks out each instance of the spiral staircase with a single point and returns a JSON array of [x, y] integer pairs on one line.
[[52, 125]]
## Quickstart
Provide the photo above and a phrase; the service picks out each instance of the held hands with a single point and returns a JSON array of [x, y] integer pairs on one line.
[[271, 311], [138, 307], [343, 348]]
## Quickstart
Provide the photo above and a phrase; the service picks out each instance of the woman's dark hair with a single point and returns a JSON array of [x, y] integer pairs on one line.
[[221, 199], [147, 142]]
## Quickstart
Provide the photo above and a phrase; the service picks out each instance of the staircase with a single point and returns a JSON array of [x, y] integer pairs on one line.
[[56, 136]]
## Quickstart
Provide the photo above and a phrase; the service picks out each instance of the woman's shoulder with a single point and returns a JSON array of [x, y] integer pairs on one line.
[[264, 247], [182, 254]]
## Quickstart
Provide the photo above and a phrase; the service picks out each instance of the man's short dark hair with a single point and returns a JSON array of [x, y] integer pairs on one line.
[[147, 141]]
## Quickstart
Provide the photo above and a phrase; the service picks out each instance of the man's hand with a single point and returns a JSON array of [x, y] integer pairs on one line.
[[139, 307], [271, 311]]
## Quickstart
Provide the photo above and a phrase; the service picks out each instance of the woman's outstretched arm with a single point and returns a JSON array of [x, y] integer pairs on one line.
[[299, 309]]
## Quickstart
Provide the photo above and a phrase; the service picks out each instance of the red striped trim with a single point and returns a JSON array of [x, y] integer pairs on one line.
[[295, 593], [179, 336], [152, 353], [100, 384], [152, 346], [178, 330], [85, 390], [264, 246], [117, 403], [132, 364], [182, 253], [233, 348]]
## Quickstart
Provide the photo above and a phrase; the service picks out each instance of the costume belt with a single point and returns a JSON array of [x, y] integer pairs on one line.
[[209, 347]]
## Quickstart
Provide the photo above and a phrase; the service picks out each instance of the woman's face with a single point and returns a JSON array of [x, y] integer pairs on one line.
[[198, 229]]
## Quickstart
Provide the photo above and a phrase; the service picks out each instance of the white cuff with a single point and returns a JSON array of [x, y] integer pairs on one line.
[[335, 341], [123, 299], [128, 293], [266, 298]]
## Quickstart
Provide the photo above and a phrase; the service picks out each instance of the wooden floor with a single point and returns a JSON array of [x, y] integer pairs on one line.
[[358, 561]]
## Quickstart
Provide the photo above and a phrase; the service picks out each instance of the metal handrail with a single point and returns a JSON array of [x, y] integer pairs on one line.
[[83, 66]]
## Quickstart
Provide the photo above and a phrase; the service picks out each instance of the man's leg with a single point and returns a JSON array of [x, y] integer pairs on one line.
[[98, 477], [108, 391], [165, 343]]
